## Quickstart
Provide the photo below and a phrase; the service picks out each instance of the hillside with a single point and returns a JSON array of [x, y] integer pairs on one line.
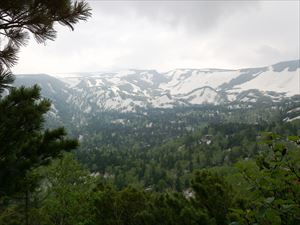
[[131, 90]]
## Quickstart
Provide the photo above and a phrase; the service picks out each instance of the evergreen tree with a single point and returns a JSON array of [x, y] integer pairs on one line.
[[213, 194], [67, 194], [24, 144]]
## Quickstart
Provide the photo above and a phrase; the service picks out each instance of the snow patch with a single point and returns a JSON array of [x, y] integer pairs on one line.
[[284, 82]]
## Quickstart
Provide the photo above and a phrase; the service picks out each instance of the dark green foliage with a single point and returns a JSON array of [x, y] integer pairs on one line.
[[67, 194], [213, 194], [174, 208], [159, 149], [6, 78], [120, 207], [23, 143], [132, 206], [274, 179], [169, 166], [263, 192], [63, 194]]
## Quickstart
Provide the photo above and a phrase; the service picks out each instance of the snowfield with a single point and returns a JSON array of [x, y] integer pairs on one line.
[[129, 90]]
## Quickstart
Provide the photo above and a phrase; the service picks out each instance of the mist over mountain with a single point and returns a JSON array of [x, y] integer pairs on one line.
[[130, 90]]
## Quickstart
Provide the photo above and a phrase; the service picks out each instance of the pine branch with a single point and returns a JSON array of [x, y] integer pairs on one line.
[[6, 78], [8, 56]]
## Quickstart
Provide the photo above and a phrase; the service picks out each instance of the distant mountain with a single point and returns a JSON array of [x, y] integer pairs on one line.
[[131, 90]]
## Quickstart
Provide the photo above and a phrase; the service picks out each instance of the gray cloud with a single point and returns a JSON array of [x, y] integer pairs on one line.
[[171, 34], [193, 15]]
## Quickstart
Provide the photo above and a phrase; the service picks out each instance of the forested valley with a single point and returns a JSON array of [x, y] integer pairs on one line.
[[184, 166]]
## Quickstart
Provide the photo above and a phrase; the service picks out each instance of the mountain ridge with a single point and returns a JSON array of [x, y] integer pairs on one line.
[[130, 90]]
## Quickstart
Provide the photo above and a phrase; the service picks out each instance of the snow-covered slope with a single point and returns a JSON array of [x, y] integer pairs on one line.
[[133, 89], [184, 81]]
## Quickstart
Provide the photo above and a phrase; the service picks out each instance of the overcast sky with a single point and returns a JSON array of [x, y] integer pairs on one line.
[[165, 35]]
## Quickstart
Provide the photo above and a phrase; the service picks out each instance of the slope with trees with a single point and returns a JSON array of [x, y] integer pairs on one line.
[[25, 144]]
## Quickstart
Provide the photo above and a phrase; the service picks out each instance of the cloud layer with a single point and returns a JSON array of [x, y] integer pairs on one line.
[[171, 34]]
